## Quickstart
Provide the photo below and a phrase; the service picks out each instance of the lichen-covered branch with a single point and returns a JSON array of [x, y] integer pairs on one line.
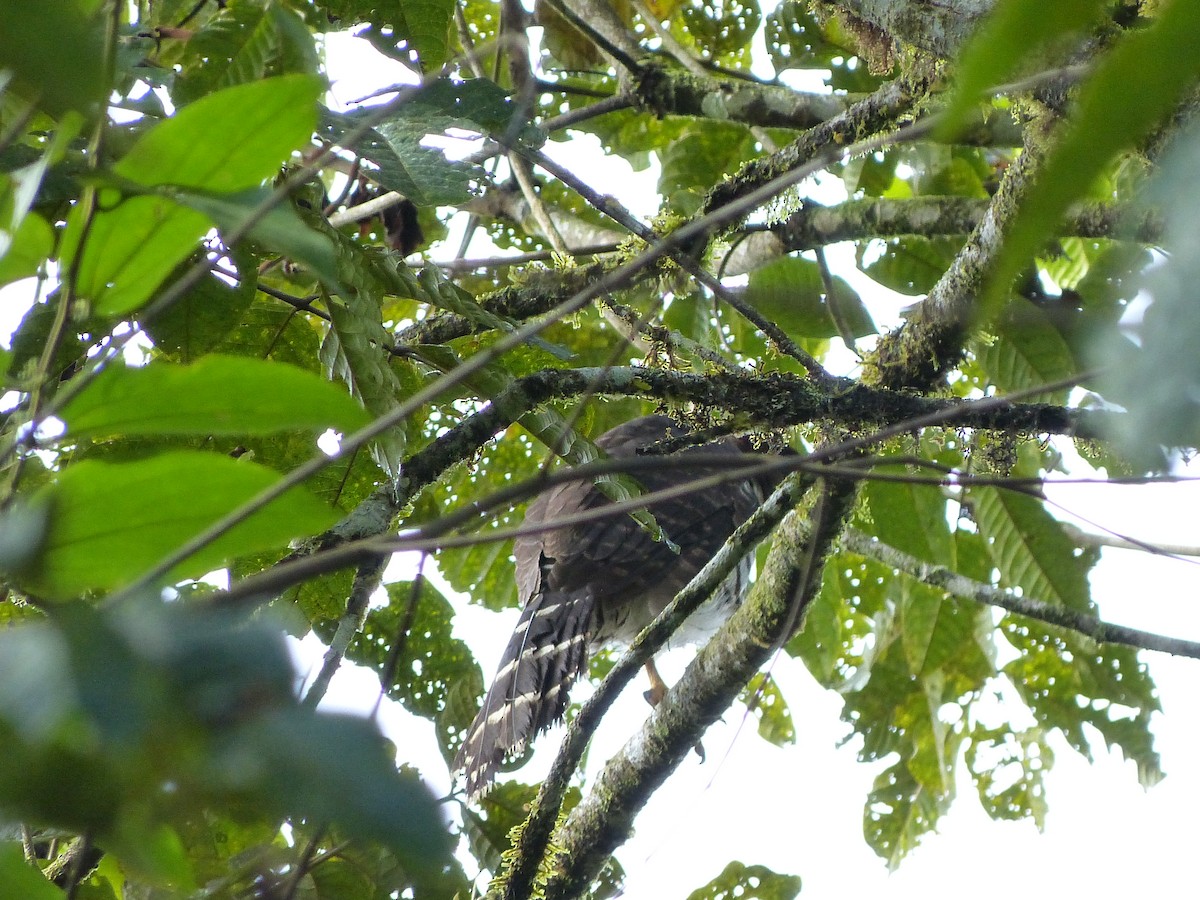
[[939, 27], [960, 586], [870, 116], [918, 353], [858, 220], [530, 849], [772, 611]]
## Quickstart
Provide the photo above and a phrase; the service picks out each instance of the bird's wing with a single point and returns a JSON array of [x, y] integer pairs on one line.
[[597, 578]]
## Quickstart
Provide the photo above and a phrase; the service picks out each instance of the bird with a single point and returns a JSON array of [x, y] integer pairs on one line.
[[599, 583]]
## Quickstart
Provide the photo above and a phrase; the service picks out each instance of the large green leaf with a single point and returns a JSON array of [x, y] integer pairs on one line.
[[396, 144], [131, 248], [791, 293], [1074, 685], [911, 517], [245, 42], [216, 395], [229, 141], [910, 265], [1027, 351], [57, 53], [281, 230], [112, 521], [1030, 548], [1130, 91], [1004, 41], [201, 319], [23, 251], [21, 880]]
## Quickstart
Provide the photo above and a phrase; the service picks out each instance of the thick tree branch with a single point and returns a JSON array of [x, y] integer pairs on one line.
[[959, 586], [931, 341], [815, 226], [774, 607], [774, 401], [870, 116], [530, 849], [939, 27]]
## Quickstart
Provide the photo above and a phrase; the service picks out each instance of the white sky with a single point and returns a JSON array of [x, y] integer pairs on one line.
[[799, 809]]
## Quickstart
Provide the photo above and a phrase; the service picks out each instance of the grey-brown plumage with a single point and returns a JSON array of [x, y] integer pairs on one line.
[[603, 581]]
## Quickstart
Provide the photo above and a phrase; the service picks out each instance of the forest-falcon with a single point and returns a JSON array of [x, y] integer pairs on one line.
[[600, 582]]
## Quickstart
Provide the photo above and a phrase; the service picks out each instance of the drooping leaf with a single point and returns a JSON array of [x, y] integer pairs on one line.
[[993, 757], [1069, 682], [766, 702]]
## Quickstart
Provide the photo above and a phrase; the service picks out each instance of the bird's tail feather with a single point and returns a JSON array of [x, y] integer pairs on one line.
[[546, 653]]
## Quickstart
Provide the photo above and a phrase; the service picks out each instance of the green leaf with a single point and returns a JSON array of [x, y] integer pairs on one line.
[[899, 812], [394, 145], [202, 318], [740, 880], [57, 54], [700, 158], [130, 250], [1158, 382], [280, 230], [425, 26], [24, 251], [765, 701], [353, 351], [994, 756], [1003, 42], [1027, 351], [1030, 548], [910, 265], [911, 517], [216, 395], [230, 141], [21, 880], [1130, 90], [334, 767], [112, 521], [790, 292], [721, 28], [245, 42], [935, 627]]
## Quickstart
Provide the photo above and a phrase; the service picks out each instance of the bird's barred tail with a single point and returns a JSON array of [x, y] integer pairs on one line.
[[547, 652]]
